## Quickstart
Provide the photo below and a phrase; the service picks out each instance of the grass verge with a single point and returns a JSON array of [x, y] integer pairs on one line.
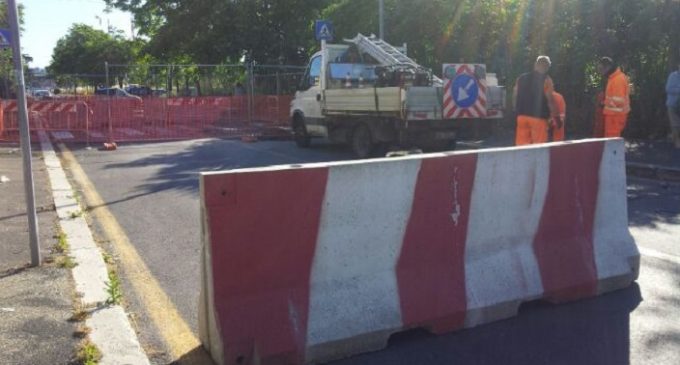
[[113, 289], [88, 353]]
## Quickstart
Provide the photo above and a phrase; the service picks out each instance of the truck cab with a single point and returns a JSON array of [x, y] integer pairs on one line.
[[306, 106]]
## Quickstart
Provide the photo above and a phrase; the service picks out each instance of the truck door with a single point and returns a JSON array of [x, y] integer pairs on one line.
[[310, 98]]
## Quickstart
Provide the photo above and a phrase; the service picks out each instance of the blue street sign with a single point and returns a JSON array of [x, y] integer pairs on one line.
[[323, 30], [465, 90], [5, 38]]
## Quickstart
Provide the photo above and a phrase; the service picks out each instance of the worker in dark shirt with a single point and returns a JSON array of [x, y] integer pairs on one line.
[[535, 104]]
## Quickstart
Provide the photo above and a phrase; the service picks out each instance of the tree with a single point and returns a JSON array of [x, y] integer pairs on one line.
[[218, 31], [84, 50], [6, 67], [507, 35]]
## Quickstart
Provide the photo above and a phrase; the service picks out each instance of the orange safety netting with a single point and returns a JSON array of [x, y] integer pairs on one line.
[[98, 119]]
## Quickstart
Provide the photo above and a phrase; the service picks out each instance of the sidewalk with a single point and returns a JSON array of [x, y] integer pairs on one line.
[[35, 303]]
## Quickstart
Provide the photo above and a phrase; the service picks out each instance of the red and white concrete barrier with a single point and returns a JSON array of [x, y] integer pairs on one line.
[[316, 262]]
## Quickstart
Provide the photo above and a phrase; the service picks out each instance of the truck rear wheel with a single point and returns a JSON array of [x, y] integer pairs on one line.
[[361, 141], [302, 139]]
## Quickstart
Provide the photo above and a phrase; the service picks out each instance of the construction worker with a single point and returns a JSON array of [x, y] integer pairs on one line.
[[533, 96], [616, 105], [558, 124], [673, 104]]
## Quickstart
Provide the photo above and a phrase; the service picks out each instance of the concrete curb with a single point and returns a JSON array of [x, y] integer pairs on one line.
[[655, 172], [111, 330]]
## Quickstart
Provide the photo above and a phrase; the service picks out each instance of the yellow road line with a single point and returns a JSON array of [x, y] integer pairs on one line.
[[171, 327]]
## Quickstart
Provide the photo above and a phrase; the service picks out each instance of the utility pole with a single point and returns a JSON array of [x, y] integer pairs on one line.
[[381, 18], [108, 101], [25, 133], [132, 27]]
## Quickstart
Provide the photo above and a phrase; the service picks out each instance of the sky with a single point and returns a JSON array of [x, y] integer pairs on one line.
[[48, 20]]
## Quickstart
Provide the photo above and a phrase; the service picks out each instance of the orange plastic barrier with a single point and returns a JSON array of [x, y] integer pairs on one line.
[[100, 119]]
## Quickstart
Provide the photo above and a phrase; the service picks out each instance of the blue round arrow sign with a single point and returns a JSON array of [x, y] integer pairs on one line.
[[464, 90]]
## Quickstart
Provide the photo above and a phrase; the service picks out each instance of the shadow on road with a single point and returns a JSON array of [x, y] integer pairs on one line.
[[653, 202], [179, 165], [658, 329], [197, 356], [653, 152], [594, 331]]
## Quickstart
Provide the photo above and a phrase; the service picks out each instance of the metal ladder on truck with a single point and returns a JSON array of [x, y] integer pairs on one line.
[[385, 53]]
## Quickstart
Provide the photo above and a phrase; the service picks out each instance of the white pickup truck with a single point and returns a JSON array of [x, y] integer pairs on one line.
[[369, 94]]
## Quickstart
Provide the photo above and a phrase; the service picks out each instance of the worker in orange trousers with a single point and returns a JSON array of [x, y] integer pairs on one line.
[[558, 124], [616, 104], [534, 104]]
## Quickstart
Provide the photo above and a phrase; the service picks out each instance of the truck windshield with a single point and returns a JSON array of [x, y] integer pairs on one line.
[[314, 70], [315, 67]]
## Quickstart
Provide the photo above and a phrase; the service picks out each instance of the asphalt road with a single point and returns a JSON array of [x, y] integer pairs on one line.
[[152, 190]]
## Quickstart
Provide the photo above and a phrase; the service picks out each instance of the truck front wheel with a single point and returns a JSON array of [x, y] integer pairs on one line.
[[302, 139], [361, 141]]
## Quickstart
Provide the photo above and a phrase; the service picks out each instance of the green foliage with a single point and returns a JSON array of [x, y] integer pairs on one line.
[[63, 248], [88, 354], [4, 18], [108, 259], [62, 245], [66, 262], [266, 31], [7, 82], [113, 289], [507, 35], [84, 50]]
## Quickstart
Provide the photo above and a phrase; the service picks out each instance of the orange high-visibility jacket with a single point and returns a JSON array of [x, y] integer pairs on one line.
[[617, 95], [560, 104]]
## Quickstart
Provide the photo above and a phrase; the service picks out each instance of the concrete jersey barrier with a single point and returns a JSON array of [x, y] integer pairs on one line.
[[305, 264]]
